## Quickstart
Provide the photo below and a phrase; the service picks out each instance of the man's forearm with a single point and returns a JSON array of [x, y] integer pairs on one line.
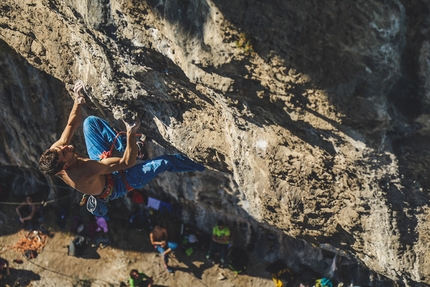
[[158, 242], [75, 119], [75, 116], [221, 239], [130, 153]]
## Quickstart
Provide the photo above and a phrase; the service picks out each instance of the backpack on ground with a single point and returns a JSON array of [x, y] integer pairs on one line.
[[140, 220], [30, 254], [323, 282], [238, 260], [77, 246]]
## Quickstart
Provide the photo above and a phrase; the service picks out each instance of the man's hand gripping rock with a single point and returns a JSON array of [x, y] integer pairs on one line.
[[79, 92]]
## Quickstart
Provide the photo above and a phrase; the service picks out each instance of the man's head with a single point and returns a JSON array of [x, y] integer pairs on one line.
[[221, 224], [49, 162], [56, 159], [134, 273], [29, 199]]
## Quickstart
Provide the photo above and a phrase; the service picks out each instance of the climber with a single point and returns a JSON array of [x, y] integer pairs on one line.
[[98, 177]]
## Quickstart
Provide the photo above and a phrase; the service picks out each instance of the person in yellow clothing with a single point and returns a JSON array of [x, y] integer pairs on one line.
[[219, 243]]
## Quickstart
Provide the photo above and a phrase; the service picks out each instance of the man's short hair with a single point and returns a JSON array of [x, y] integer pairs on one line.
[[49, 163], [220, 222], [133, 271]]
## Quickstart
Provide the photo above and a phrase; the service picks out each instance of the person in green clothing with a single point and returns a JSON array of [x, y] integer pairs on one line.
[[219, 243], [140, 279]]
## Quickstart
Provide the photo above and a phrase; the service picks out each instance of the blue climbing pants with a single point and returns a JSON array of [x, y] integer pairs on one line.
[[99, 137], [170, 245]]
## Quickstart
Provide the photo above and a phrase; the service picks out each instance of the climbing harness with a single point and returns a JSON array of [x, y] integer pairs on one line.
[[108, 189]]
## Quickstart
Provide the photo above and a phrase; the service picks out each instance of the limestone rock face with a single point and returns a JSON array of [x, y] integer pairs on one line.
[[312, 116]]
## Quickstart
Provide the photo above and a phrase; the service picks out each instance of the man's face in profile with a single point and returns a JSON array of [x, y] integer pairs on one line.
[[65, 152]]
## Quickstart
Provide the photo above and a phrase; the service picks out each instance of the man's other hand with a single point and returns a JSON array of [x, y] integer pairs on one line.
[[132, 127], [78, 90]]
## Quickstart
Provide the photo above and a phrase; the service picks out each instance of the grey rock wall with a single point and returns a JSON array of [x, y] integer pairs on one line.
[[312, 116]]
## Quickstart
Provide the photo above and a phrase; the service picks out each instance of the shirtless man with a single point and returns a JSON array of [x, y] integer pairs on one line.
[[27, 210], [159, 238], [104, 178]]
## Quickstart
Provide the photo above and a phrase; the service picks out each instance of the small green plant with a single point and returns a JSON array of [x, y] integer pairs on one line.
[[244, 43]]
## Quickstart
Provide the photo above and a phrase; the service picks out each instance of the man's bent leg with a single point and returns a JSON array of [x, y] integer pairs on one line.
[[161, 250], [222, 253], [99, 137], [171, 246], [211, 251], [140, 174]]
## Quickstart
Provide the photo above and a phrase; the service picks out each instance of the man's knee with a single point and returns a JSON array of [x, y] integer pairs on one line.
[[91, 124], [159, 249], [172, 245], [91, 120]]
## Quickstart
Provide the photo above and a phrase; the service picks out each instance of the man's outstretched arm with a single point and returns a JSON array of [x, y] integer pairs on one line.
[[75, 118]]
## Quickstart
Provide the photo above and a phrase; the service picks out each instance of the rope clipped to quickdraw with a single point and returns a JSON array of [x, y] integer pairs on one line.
[[108, 153]]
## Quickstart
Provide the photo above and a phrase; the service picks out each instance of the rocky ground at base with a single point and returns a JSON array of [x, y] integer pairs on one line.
[[110, 264]]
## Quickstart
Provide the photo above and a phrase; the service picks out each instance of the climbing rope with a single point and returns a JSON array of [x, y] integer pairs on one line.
[[108, 153], [37, 181], [44, 203]]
